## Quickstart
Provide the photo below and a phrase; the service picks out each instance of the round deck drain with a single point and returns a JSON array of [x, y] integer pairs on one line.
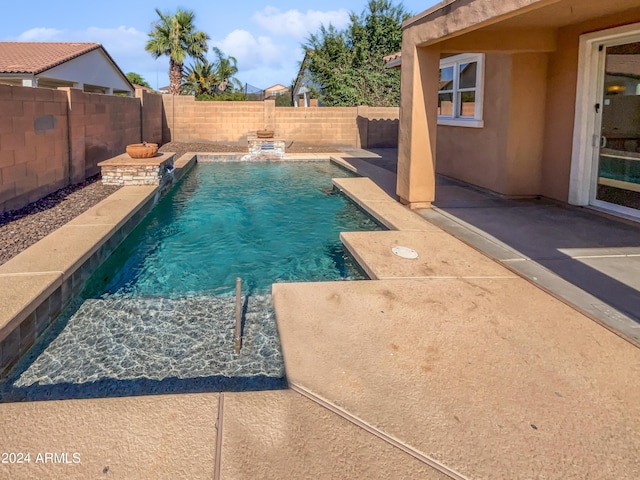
[[404, 252]]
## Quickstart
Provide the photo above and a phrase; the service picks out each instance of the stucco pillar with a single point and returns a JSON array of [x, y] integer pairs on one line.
[[418, 124]]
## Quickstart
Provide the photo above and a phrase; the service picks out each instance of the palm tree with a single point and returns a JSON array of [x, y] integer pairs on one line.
[[199, 79], [175, 35], [225, 70]]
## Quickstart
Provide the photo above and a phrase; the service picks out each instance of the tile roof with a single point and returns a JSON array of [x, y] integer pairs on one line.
[[277, 86], [36, 57], [393, 61]]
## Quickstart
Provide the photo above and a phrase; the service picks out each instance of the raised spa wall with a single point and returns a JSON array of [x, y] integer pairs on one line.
[[126, 171], [39, 282]]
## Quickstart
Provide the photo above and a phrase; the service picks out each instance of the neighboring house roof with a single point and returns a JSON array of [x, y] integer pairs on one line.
[[625, 65], [393, 61], [141, 87], [275, 88], [37, 57], [49, 59]]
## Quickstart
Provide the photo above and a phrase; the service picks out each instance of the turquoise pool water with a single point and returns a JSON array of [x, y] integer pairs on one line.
[[264, 222]]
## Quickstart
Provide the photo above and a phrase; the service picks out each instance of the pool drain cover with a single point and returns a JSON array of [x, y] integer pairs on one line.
[[404, 252]]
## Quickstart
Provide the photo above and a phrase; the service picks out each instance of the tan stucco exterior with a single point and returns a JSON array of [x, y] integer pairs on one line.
[[524, 147], [506, 154]]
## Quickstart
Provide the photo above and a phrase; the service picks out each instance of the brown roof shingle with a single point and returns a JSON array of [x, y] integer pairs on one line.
[[36, 57]]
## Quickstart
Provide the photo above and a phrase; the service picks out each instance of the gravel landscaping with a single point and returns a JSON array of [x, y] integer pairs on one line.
[[19, 229]]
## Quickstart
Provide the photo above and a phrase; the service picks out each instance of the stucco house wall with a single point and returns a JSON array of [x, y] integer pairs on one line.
[[476, 155], [505, 155], [525, 146], [93, 68]]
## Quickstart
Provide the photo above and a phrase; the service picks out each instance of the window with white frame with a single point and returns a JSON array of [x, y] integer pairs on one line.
[[460, 91]]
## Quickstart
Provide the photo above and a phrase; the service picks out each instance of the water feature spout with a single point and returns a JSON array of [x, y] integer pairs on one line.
[[265, 149]]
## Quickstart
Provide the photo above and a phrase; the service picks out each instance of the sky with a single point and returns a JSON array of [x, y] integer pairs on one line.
[[264, 37]]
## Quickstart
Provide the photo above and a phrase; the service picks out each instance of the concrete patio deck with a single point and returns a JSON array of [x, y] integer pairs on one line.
[[450, 365], [587, 259]]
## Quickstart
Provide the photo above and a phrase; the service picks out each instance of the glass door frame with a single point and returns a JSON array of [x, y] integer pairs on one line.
[[588, 122]]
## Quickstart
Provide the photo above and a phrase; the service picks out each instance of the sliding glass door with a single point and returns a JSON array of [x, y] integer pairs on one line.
[[617, 164]]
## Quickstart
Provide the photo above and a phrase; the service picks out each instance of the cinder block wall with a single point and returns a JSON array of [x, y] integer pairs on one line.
[[378, 126], [151, 113], [53, 138], [191, 121], [187, 120], [34, 144], [316, 125], [111, 123]]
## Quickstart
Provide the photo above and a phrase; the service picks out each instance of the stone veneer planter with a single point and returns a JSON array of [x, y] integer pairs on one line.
[[124, 170]]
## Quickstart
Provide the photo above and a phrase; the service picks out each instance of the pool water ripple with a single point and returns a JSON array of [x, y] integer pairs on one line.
[[154, 338]]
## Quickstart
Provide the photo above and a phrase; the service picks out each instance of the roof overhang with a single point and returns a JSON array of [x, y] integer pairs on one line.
[[523, 25]]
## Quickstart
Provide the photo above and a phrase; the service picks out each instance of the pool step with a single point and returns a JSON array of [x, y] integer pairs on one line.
[[123, 338]]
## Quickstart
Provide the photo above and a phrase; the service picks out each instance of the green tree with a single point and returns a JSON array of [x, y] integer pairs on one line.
[[138, 79], [199, 79], [348, 65], [226, 69], [175, 35]]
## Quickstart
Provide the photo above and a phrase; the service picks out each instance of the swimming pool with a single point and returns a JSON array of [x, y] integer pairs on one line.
[[265, 222], [158, 315]]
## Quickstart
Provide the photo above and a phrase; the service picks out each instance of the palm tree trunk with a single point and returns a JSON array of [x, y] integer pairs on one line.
[[175, 77]]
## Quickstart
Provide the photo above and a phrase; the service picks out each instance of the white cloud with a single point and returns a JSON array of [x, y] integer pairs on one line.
[[123, 38], [40, 35], [298, 24], [251, 52]]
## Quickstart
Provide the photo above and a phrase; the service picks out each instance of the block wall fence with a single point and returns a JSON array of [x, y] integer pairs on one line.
[[53, 138], [187, 120]]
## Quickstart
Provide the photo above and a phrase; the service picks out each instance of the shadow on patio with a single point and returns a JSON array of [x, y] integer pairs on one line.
[[587, 259]]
